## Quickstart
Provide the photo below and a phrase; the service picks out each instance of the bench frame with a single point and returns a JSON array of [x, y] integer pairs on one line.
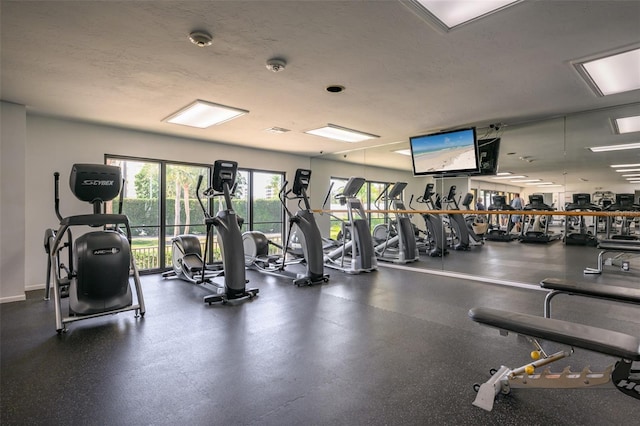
[[562, 332], [622, 247], [595, 291]]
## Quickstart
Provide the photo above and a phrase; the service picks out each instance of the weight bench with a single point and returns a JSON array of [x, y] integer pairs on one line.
[[614, 246], [597, 291], [595, 339]]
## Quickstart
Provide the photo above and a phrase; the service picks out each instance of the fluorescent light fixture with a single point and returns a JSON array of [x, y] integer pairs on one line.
[[526, 180], [625, 165], [203, 114], [549, 186], [541, 183], [636, 175], [620, 147], [627, 170], [616, 73], [509, 177], [627, 124], [632, 178], [504, 174], [343, 134], [453, 13], [403, 152]]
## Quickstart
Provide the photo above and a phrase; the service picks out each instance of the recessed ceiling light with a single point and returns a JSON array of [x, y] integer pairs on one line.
[[526, 180], [509, 177], [549, 186], [632, 178], [620, 147], [343, 134], [627, 170], [541, 183], [335, 88], [201, 38], [632, 175], [203, 114], [452, 13], [503, 173], [627, 124], [613, 74], [403, 152]]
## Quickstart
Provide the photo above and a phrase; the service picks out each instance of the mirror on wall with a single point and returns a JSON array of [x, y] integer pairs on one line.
[[548, 158]]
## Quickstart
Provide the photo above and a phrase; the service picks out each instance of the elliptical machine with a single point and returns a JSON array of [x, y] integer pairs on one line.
[[100, 263], [477, 225], [256, 244], [227, 223], [396, 241], [354, 253], [186, 255], [435, 227], [456, 222]]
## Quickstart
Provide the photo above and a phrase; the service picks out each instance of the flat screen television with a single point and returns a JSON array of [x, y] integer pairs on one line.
[[488, 151], [450, 153]]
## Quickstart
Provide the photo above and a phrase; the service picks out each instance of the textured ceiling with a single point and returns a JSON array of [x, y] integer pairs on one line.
[[130, 64]]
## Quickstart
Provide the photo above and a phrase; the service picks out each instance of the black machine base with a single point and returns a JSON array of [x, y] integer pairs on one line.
[[581, 240], [224, 298]]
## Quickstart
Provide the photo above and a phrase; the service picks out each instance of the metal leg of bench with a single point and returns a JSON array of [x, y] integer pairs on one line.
[[491, 388], [547, 302], [600, 265]]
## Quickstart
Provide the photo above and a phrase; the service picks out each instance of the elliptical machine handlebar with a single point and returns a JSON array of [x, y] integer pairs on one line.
[[56, 184]]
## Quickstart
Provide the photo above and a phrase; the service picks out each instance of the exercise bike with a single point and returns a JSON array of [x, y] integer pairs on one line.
[[256, 244]]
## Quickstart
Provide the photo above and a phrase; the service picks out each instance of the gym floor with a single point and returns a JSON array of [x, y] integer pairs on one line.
[[391, 347]]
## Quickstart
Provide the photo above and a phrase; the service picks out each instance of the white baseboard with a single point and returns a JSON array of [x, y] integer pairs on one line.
[[12, 299], [22, 297], [35, 287]]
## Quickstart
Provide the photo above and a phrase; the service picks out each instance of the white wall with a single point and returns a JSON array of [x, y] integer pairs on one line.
[[55, 145], [33, 147], [12, 202]]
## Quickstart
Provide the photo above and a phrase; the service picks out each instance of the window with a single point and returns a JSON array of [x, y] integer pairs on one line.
[[161, 203]]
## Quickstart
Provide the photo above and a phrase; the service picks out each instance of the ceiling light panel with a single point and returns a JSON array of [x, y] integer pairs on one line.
[[526, 180], [613, 74], [331, 131], [625, 165], [452, 13], [203, 114], [403, 152], [627, 170], [509, 177], [627, 124], [620, 147]]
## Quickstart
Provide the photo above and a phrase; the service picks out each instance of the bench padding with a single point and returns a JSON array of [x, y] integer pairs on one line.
[[582, 336], [622, 294], [620, 245]]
